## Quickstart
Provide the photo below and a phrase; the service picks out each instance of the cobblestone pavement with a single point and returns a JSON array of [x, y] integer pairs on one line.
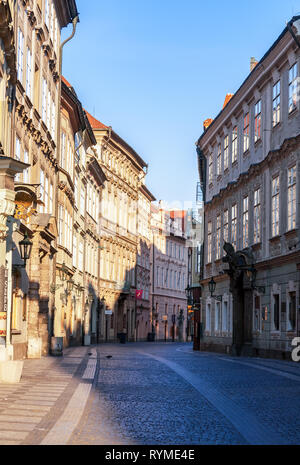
[[167, 394], [149, 393]]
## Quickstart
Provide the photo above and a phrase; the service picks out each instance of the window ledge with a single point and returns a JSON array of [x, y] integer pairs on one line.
[[246, 153], [275, 238], [257, 143], [234, 164], [293, 113], [291, 233], [256, 246], [277, 126], [16, 332]]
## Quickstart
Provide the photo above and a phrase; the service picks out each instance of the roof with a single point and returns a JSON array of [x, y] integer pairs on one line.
[[227, 98], [65, 81], [85, 124], [255, 70], [95, 124], [178, 214]]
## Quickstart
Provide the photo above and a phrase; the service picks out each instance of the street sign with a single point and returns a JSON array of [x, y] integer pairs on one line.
[[165, 317], [108, 312]]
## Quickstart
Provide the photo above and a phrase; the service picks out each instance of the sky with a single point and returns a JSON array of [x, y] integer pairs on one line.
[[154, 70]]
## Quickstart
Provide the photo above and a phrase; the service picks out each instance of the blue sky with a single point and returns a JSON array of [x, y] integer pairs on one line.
[[156, 69]]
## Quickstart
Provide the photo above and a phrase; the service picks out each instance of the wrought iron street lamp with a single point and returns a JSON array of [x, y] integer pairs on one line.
[[294, 27], [63, 272], [25, 249], [70, 285], [188, 293], [212, 288]]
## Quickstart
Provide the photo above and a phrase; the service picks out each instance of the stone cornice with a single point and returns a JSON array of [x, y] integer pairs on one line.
[[254, 170], [35, 134]]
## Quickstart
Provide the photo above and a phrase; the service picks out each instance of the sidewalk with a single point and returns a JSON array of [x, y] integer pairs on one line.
[[46, 406]]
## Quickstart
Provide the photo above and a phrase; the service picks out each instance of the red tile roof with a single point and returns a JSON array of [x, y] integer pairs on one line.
[[65, 81], [227, 98], [94, 122]]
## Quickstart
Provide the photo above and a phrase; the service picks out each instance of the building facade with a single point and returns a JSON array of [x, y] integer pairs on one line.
[[143, 271], [37, 28], [124, 170], [249, 166], [169, 275]]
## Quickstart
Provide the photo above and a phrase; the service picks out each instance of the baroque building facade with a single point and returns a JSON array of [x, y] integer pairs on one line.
[[249, 166], [143, 270], [169, 274], [37, 28], [125, 172]]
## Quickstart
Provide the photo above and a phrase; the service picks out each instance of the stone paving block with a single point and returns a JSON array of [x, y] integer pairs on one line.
[[10, 426], [15, 435], [30, 406], [9, 443], [19, 419]]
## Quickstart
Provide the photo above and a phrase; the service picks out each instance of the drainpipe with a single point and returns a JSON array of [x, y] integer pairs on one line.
[[74, 23]]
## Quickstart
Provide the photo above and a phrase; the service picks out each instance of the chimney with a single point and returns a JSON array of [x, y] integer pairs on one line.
[[253, 63], [207, 123]]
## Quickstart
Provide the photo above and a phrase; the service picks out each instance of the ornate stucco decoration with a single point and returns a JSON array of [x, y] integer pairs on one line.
[[7, 208]]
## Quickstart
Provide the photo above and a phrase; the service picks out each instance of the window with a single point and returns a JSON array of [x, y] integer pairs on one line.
[[217, 316], [63, 150], [225, 226], [275, 206], [208, 317], [293, 87], [60, 224], [42, 190], [29, 74], [51, 198], [51, 23], [292, 198], [75, 191], [256, 217], [226, 150], [44, 101], [26, 172], [47, 14], [53, 120], [234, 147], [18, 157], [276, 312], [257, 121], [210, 168], [80, 256], [225, 316], [218, 254], [82, 201], [219, 160], [20, 56], [46, 194], [276, 103], [246, 132], [291, 321], [245, 222], [209, 233], [234, 225], [257, 312]]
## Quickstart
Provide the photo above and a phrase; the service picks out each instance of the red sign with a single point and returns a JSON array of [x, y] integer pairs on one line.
[[138, 294]]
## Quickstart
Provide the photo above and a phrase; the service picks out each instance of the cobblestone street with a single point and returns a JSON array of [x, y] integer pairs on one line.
[[147, 393]]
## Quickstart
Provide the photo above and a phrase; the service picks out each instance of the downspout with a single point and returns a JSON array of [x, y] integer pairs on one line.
[[74, 22]]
